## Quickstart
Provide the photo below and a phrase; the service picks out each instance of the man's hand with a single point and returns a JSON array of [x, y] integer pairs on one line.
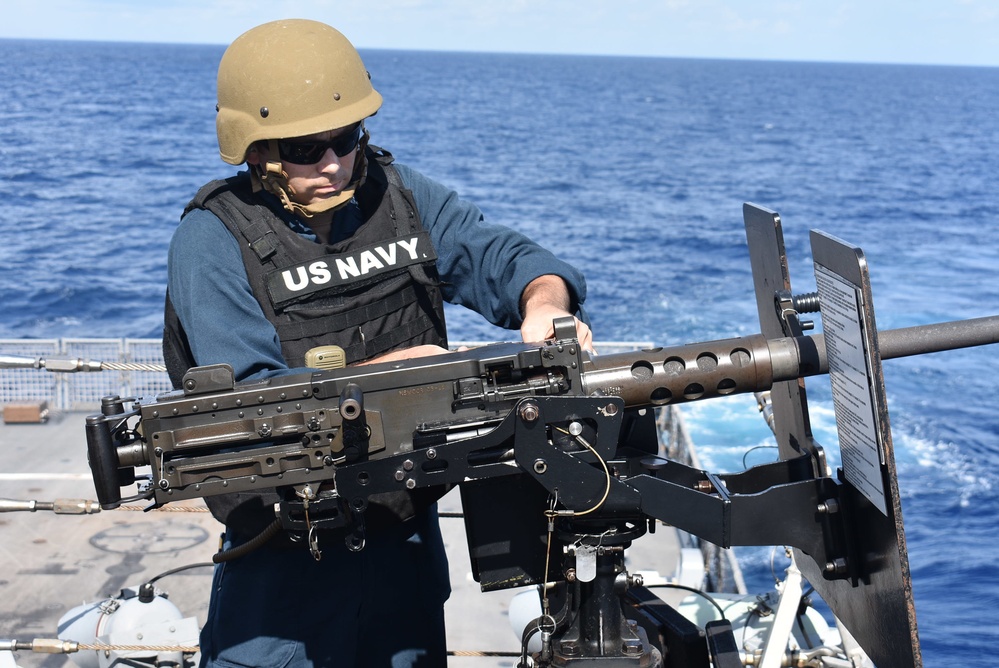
[[406, 354], [544, 299]]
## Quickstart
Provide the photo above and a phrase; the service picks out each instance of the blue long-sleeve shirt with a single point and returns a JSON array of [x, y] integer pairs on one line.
[[482, 266]]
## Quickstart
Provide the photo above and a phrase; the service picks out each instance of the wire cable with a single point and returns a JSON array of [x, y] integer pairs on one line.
[[694, 590]]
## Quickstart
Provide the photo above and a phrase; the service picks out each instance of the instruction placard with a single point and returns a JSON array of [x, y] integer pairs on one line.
[[850, 375]]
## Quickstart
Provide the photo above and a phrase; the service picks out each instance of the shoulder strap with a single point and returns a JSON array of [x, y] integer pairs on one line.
[[230, 200]]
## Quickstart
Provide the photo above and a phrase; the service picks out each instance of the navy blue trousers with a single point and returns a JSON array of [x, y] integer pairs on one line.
[[381, 607]]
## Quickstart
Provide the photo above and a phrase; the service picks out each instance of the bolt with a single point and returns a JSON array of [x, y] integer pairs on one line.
[[410, 484], [611, 409], [407, 465], [837, 565], [830, 506], [633, 646], [190, 384], [570, 575], [568, 648], [314, 423], [400, 476], [540, 466], [529, 412], [265, 430], [431, 454], [164, 483]]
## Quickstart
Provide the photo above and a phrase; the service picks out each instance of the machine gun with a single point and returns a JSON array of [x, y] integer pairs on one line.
[[567, 419], [555, 452]]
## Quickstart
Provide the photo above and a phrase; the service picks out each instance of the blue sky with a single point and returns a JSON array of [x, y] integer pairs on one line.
[[946, 32]]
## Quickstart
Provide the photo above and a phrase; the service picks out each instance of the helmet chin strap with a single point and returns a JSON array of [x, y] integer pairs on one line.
[[274, 180]]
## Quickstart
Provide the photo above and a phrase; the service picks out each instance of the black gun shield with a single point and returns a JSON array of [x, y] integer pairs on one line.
[[876, 607]]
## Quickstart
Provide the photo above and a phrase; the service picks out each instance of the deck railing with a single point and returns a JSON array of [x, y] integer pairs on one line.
[[81, 391]]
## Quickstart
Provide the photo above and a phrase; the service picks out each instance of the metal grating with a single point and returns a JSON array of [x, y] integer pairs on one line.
[[146, 383], [81, 390], [17, 385]]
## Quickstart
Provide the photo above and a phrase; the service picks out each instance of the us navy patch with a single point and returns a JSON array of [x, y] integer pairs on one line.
[[340, 269]]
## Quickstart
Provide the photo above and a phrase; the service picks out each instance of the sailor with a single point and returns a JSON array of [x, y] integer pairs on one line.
[[325, 239]]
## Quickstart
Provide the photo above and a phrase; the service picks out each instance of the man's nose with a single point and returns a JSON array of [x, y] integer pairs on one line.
[[330, 160]]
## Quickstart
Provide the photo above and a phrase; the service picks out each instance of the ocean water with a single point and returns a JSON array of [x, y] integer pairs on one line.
[[633, 169]]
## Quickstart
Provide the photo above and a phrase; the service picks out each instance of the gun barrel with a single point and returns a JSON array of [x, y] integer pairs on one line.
[[691, 372], [896, 343], [938, 337]]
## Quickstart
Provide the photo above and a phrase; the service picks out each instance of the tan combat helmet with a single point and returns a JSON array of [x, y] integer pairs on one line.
[[289, 78]]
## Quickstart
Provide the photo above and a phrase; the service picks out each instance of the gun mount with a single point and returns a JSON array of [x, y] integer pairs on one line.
[[567, 440]]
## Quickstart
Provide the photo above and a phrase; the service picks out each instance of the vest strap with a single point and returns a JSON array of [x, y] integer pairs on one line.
[[265, 246], [260, 238]]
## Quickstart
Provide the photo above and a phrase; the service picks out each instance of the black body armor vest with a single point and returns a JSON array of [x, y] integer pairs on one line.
[[374, 292]]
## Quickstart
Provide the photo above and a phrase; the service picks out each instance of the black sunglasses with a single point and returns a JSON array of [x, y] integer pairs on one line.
[[311, 152]]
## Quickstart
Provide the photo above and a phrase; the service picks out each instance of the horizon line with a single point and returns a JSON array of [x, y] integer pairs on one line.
[[529, 53]]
